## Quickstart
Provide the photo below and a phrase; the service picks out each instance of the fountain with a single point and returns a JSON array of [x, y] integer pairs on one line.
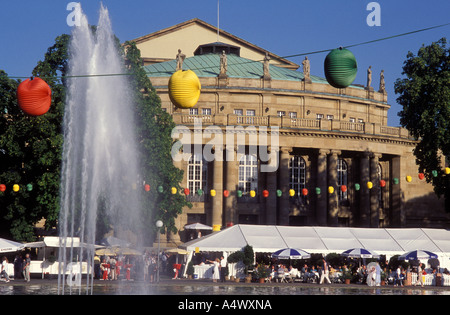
[[100, 172]]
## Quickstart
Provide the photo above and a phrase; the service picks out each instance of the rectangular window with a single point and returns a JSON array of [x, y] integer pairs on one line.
[[281, 113], [197, 175], [239, 112], [330, 117], [206, 111], [319, 116], [193, 111], [293, 115], [248, 174], [352, 119], [250, 112], [361, 121]]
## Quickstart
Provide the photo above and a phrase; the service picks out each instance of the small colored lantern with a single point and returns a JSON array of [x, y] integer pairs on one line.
[[357, 187], [318, 191], [29, 187], [369, 185], [213, 193], [434, 173], [239, 193], [173, 190], [147, 187], [421, 176], [200, 192], [252, 193], [344, 188], [184, 89], [16, 188], [34, 96], [408, 179], [340, 68], [265, 193], [160, 189], [187, 192], [2, 188], [447, 170], [382, 183], [396, 181], [279, 193], [330, 189], [226, 193], [305, 192], [291, 192]]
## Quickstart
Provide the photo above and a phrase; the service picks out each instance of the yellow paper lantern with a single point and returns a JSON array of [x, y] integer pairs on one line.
[[292, 192], [408, 179], [252, 193], [184, 89], [447, 170], [213, 193], [331, 189], [16, 188], [369, 185], [216, 227], [174, 190]]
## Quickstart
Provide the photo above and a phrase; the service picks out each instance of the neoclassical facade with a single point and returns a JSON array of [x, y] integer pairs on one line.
[[265, 128]]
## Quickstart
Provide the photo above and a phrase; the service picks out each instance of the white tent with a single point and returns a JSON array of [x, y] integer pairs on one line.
[[264, 238], [7, 246]]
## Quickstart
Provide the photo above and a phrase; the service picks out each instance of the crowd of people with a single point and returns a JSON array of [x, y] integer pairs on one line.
[[21, 268]]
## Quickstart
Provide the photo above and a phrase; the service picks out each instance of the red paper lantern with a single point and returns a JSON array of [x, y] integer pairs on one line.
[[421, 176], [265, 193], [187, 191], [147, 187], [2, 188], [304, 192], [344, 188], [34, 96], [382, 183], [226, 193]]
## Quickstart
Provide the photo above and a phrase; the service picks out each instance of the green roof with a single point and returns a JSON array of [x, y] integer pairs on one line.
[[209, 66]]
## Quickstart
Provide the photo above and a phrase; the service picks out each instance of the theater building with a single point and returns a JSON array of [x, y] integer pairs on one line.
[[279, 129]]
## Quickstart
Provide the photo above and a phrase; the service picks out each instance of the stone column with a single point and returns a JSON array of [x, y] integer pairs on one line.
[[374, 202], [217, 201], [271, 201], [364, 192], [232, 168], [333, 206], [284, 183], [321, 211]]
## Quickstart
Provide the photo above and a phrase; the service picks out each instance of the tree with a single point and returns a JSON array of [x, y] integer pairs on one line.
[[154, 128], [31, 152], [425, 97]]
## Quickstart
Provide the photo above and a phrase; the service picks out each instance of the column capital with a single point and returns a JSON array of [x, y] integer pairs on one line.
[[286, 150], [335, 152], [375, 155], [324, 152]]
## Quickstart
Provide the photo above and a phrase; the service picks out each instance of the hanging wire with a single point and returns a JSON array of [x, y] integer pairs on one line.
[[246, 62]]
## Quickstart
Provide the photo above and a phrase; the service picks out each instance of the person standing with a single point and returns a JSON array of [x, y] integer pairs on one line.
[[325, 272], [419, 275], [223, 268], [26, 268], [3, 268], [18, 267]]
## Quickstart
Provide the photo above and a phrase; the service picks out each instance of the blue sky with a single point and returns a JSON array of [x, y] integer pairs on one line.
[[284, 27]]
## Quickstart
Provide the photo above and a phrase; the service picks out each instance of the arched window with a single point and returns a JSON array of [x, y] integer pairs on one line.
[[248, 174], [297, 174], [342, 177], [197, 174]]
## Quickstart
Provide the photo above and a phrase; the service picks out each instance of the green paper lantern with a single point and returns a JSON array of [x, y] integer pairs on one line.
[[396, 181], [200, 192], [160, 189], [29, 187], [279, 193], [357, 187], [434, 173], [340, 68], [239, 193], [318, 191]]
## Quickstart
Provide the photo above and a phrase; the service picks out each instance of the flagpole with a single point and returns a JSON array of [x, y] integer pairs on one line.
[[218, 19]]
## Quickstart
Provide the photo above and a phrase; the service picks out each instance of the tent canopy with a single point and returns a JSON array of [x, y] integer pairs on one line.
[[270, 238], [7, 246]]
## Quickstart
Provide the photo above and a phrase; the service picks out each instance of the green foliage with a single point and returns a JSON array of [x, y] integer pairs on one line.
[[235, 257], [30, 152], [425, 97], [249, 256]]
